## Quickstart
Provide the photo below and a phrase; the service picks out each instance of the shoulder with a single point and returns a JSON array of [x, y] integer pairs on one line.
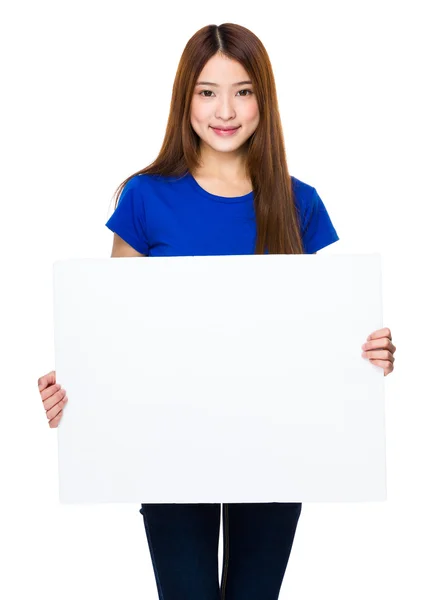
[[301, 186], [305, 197], [148, 185], [303, 191], [140, 182], [141, 188], [317, 229]]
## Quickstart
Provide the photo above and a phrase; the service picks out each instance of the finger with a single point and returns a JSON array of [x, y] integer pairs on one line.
[[49, 391], [384, 332], [380, 354], [53, 412], [56, 420], [380, 343], [54, 399], [48, 379]]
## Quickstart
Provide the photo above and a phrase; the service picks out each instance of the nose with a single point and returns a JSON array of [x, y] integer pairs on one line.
[[225, 109]]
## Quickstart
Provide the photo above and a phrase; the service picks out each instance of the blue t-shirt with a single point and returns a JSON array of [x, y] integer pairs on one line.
[[171, 216]]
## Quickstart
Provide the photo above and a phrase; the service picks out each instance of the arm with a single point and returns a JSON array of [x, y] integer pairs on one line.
[[121, 248]]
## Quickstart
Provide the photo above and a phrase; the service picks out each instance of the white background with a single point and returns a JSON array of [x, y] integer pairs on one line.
[[86, 92]]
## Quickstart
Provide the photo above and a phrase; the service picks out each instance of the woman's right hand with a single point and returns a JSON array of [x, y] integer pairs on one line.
[[53, 396]]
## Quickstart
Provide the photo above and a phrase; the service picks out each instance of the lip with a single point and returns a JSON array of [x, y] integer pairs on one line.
[[225, 132]]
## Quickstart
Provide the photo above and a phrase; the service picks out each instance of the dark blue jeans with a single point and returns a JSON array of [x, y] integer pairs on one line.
[[183, 542]]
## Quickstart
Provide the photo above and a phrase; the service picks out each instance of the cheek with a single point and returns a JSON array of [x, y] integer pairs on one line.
[[199, 112], [251, 113]]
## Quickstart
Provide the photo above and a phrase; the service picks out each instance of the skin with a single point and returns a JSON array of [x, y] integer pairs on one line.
[[222, 161], [379, 349], [223, 105]]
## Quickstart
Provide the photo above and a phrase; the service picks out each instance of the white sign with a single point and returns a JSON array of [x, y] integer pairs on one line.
[[219, 379]]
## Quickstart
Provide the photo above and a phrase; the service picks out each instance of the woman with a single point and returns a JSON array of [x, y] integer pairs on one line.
[[220, 185]]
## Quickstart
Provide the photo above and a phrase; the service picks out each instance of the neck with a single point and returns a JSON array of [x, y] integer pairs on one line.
[[224, 166]]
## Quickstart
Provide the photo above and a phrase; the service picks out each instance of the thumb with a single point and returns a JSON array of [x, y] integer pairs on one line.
[[46, 380]]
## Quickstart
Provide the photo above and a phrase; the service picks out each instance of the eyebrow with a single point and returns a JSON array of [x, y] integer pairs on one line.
[[217, 85]]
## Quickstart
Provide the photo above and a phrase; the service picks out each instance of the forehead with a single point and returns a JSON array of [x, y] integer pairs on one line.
[[223, 70]]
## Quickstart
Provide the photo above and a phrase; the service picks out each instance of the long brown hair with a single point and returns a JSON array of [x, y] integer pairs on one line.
[[276, 210]]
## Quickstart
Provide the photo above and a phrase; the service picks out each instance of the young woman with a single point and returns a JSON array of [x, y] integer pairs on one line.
[[220, 185]]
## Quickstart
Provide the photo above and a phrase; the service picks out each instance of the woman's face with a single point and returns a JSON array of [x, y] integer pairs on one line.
[[224, 105]]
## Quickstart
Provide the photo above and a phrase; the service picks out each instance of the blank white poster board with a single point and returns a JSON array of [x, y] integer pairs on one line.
[[219, 379]]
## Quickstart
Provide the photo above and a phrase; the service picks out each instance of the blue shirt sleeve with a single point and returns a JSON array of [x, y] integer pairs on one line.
[[129, 218], [317, 230]]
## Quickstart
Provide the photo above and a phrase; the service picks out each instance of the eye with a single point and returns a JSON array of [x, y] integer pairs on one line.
[[210, 92]]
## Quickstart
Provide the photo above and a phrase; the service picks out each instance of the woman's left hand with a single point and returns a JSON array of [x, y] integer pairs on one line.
[[379, 349]]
